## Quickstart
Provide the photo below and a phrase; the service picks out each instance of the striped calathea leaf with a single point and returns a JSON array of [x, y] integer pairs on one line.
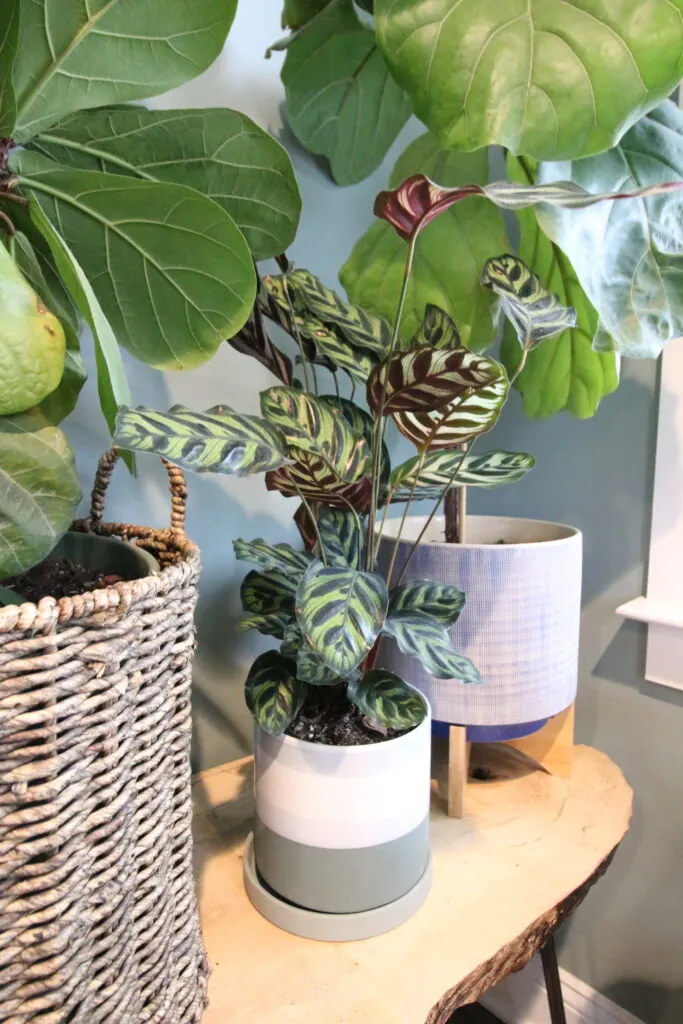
[[427, 639], [534, 312], [363, 425], [273, 693], [279, 557], [425, 379], [472, 413], [441, 601], [314, 426], [311, 477], [384, 698], [266, 592], [432, 472], [306, 525], [252, 340], [216, 441], [310, 668], [341, 612], [273, 624], [437, 329], [342, 537]]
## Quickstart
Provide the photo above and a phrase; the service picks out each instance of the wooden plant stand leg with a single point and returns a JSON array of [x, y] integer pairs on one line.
[[458, 766], [552, 747], [551, 973]]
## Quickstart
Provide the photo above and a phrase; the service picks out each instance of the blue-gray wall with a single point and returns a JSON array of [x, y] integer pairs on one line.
[[627, 940]]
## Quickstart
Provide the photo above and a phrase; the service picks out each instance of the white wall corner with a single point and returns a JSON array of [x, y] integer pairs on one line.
[[522, 999]]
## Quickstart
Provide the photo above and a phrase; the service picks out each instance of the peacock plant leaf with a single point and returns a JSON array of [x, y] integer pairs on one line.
[[341, 612], [310, 477], [310, 668], [265, 592], [386, 699], [252, 340], [535, 313], [216, 441], [434, 471], [423, 637], [363, 425], [471, 414], [342, 537], [317, 428], [277, 557], [305, 523], [437, 329], [273, 624], [273, 693], [426, 379], [441, 601], [292, 641]]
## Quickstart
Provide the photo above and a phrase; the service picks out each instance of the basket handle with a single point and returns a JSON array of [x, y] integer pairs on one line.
[[176, 484]]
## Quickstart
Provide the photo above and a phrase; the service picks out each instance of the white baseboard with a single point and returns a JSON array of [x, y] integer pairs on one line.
[[522, 999]]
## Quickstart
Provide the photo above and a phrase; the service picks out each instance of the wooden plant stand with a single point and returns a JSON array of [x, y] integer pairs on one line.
[[551, 748]]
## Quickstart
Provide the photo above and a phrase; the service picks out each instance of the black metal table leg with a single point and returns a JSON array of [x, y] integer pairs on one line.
[[552, 982]]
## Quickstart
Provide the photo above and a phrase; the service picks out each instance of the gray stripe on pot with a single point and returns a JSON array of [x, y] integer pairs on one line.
[[341, 881]]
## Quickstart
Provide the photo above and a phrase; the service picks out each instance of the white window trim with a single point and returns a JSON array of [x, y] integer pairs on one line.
[[662, 605]]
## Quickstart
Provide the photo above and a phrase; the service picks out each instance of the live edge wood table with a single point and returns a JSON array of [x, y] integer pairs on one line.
[[525, 854]]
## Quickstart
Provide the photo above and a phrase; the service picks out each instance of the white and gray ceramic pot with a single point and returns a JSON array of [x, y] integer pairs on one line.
[[341, 834], [520, 624]]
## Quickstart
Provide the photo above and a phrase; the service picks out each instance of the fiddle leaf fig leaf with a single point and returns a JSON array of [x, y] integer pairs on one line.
[[440, 601], [143, 243], [39, 493], [473, 413], [628, 257], [434, 471], [552, 81], [277, 557], [448, 256], [342, 102], [535, 313], [273, 693], [340, 612], [76, 55], [9, 36], [272, 624], [266, 592], [384, 698], [423, 637], [296, 13], [425, 379], [342, 537], [216, 441], [219, 152]]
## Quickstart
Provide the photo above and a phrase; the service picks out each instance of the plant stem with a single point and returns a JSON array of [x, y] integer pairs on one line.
[[394, 553], [378, 437], [313, 520], [11, 231]]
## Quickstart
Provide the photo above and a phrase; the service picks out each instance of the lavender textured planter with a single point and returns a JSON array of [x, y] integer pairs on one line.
[[520, 625]]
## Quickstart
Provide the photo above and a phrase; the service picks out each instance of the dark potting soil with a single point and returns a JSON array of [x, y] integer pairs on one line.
[[329, 717], [59, 578]]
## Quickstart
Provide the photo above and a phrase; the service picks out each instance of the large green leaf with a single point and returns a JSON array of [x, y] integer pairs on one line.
[[434, 471], [427, 378], [263, 593], [565, 373], [277, 557], [169, 267], [627, 255], [219, 152], [535, 313], [342, 537], [111, 377], [317, 428], [39, 490], [296, 13], [449, 254], [553, 80], [441, 601], [342, 103], [26, 258], [473, 413], [340, 612], [426, 639], [384, 698], [76, 54], [216, 441], [9, 36], [273, 693]]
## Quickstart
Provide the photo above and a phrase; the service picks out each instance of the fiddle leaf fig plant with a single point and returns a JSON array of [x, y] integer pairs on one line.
[[142, 224], [328, 605]]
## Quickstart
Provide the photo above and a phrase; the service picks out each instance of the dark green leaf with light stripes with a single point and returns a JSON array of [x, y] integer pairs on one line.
[[340, 612], [363, 425], [384, 698], [534, 312], [310, 668], [437, 329], [441, 601], [291, 641], [270, 625], [426, 378], [310, 476], [472, 414], [314, 426], [490, 469], [253, 341], [342, 537], [273, 693], [216, 441], [267, 592], [426, 639], [281, 557]]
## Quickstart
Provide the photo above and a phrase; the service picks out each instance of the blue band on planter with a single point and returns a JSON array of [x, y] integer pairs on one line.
[[492, 733]]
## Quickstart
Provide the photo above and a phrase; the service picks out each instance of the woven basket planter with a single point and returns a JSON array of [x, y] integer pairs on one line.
[[98, 917]]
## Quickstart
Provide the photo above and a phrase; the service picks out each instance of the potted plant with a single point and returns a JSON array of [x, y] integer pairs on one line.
[[342, 766]]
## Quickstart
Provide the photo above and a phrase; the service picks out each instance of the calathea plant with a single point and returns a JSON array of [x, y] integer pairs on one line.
[[328, 606], [144, 224]]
